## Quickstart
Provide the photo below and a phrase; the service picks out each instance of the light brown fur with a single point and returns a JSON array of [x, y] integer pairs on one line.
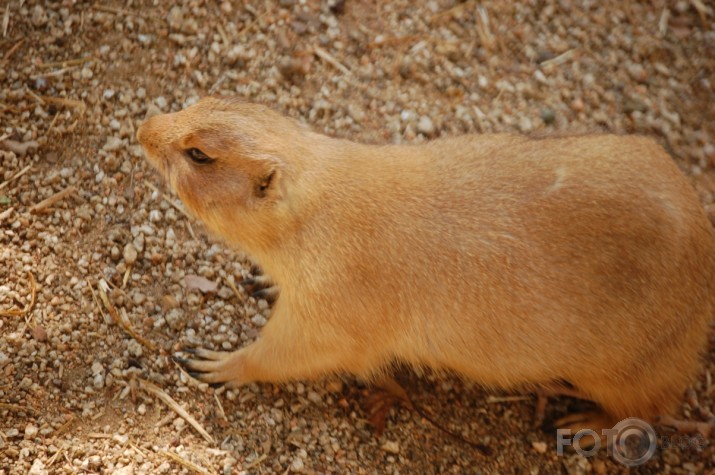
[[510, 261]]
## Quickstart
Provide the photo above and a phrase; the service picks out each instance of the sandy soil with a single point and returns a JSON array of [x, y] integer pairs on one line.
[[76, 78]]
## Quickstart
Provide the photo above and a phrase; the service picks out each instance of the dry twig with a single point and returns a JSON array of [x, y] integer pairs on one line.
[[96, 301], [15, 407], [393, 41], [330, 59], [449, 13], [6, 20], [67, 425], [52, 459], [663, 22], [558, 60], [66, 63], [166, 399], [6, 213], [702, 10], [232, 284], [12, 50], [61, 101], [122, 320], [56, 72], [220, 407], [483, 28], [15, 176], [52, 124], [52, 199], [28, 308], [256, 462], [182, 461]]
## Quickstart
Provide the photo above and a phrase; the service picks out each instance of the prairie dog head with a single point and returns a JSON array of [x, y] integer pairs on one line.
[[231, 163]]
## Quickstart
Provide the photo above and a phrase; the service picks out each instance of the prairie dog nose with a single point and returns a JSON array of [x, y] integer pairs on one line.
[[151, 111]]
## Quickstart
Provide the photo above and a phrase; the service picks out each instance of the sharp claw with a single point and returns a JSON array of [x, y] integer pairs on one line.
[[191, 351], [180, 360], [260, 294], [216, 385], [196, 374], [248, 282]]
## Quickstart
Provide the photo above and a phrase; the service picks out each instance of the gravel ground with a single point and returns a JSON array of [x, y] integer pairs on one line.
[[76, 78]]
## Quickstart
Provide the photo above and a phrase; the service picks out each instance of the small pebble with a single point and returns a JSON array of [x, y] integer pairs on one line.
[[425, 125], [39, 333], [297, 465], [540, 447], [577, 465], [314, 397], [577, 105], [31, 431], [259, 320], [37, 468], [113, 144], [548, 115], [391, 447], [130, 254]]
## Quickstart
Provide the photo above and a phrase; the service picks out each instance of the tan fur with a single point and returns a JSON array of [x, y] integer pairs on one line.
[[507, 260]]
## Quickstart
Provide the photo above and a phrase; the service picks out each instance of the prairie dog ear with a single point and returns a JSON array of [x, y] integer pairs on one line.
[[266, 184], [267, 175]]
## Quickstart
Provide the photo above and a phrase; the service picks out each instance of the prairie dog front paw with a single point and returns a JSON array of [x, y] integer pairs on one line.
[[214, 367]]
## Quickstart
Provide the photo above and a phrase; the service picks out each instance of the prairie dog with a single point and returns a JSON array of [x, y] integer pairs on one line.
[[510, 261]]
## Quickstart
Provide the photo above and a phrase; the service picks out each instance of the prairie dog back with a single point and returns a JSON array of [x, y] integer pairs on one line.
[[513, 262]]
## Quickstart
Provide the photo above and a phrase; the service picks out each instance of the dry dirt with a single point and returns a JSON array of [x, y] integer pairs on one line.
[[77, 77]]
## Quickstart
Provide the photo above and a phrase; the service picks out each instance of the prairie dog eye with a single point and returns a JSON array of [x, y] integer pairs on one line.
[[197, 156]]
